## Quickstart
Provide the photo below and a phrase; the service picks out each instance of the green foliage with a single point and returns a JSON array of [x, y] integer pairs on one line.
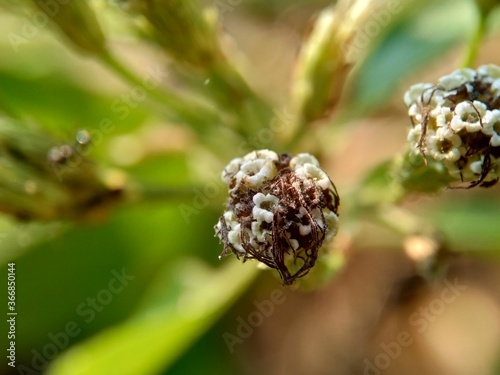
[[422, 34], [152, 216], [184, 300]]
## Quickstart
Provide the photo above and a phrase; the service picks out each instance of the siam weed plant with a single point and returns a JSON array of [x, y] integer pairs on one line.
[[132, 131]]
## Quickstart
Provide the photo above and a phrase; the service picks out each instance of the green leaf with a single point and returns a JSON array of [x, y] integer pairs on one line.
[[470, 223], [425, 34], [72, 108], [63, 265], [182, 304], [377, 185]]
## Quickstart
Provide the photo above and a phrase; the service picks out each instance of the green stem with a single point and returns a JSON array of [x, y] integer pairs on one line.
[[476, 40], [7, 109], [151, 194], [230, 92], [297, 136], [401, 221], [192, 114]]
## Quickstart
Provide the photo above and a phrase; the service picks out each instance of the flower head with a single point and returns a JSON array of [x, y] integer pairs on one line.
[[457, 122], [281, 211]]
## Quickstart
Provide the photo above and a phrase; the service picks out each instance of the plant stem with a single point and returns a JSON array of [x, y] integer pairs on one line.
[[476, 40], [298, 134], [152, 194], [231, 93], [192, 114], [401, 221]]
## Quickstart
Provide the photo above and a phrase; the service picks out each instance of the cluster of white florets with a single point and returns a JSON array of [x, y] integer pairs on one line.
[[279, 209], [457, 122]]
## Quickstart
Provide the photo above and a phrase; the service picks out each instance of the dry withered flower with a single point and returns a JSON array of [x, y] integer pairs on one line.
[[280, 211]]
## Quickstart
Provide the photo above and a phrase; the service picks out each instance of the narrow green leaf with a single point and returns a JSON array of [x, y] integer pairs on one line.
[[157, 335], [422, 36]]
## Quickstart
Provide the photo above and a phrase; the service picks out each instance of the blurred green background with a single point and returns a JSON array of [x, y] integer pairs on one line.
[[180, 310]]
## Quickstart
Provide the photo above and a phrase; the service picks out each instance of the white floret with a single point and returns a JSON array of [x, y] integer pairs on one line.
[[253, 169], [415, 111], [469, 116], [230, 218], [332, 221], [319, 176], [264, 214], [304, 230], [302, 159], [293, 242], [446, 133], [302, 212], [234, 238], [234, 232], [476, 166], [453, 169], [262, 154], [414, 137], [444, 144], [258, 233], [255, 172], [316, 214], [495, 87], [231, 169], [457, 78], [491, 126], [443, 116], [414, 93], [490, 70], [472, 170]]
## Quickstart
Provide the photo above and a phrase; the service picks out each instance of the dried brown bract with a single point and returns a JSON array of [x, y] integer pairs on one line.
[[281, 211]]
